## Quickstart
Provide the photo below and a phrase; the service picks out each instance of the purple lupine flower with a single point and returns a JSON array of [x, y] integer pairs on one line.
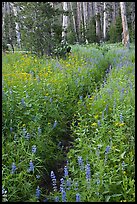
[[88, 175], [122, 90], [107, 149], [34, 149], [13, 168], [24, 132], [56, 199], [50, 100], [15, 137], [121, 118], [106, 108], [106, 152], [80, 162], [31, 168], [10, 91], [27, 136], [76, 186], [123, 165], [65, 171], [61, 184], [23, 102], [45, 200], [53, 177], [102, 115], [11, 129], [77, 197], [38, 176], [55, 124], [39, 130], [38, 79], [37, 192], [68, 184], [98, 181], [80, 97], [63, 196], [99, 123]]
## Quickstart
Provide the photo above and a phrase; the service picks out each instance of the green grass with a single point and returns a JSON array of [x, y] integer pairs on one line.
[[47, 101]]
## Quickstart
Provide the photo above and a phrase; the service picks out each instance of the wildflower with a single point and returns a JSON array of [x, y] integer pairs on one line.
[[63, 196], [55, 124], [39, 131], [96, 116], [76, 186], [88, 172], [37, 192], [56, 199], [107, 149], [123, 165], [68, 184], [98, 181], [81, 97], [53, 177], [102, 115], [13, 168], [50, 100], [121, 124], [37, 176], [65, 171], [94, 124], [121, 118], [34, 148], [99, 123], [31, 168], [23, 102], [27, 136], [45, 200], [77, 197], [11, 129], [24, 131], [38, 79], [80, 162], [10, 91], [62, 184]]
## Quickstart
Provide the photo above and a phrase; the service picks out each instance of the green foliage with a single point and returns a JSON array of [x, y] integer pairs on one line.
[[9, 33], [38, 29], [91, 31], [115, 31], [49, 101]]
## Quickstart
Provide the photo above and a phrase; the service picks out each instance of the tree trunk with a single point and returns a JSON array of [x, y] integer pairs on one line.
[[85, 16], [79, 19], [105, 23], [98, 25], [74, 21], [64, 23], [124, 25], [17, 27]]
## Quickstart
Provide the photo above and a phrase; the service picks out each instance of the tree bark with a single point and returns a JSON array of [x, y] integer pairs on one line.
[[64, 23], [105, 23], [98, 25], [17, 27], [74, 21], [124, 25]]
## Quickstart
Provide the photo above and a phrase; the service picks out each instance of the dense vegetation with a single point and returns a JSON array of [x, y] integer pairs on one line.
[[78, 112]]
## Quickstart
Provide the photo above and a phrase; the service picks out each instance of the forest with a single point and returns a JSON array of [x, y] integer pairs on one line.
[[68, 101]]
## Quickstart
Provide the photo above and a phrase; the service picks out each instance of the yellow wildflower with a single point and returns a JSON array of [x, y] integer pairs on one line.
[[96, 116], [94, 124], [121, 124]]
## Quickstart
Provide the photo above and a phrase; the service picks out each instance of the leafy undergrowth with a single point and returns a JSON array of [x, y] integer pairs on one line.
[[48, 103]]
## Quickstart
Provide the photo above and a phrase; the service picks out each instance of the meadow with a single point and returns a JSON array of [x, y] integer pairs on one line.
[[68, 126]]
